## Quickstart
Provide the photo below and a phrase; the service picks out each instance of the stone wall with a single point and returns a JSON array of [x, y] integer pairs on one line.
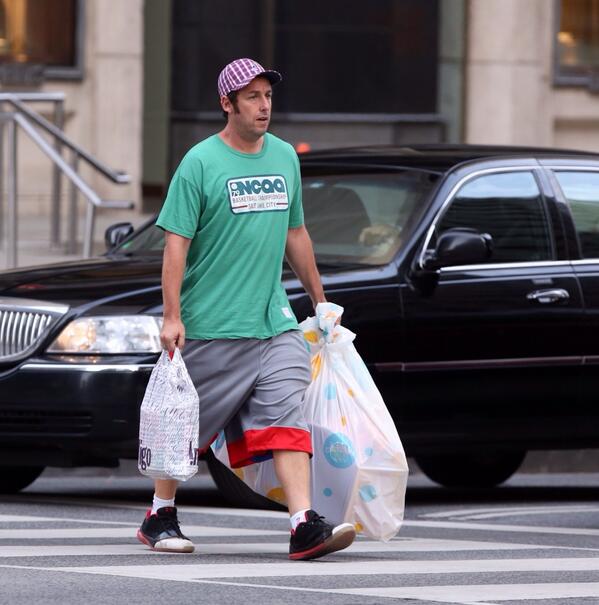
[[510, 96]]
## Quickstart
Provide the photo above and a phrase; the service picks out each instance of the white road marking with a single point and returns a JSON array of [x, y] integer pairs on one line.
[[296, 569], [456, 594], [522, 529], [481, 594], [490, 513], [122, 532], [35, 519], [207, 510], [412, 545]]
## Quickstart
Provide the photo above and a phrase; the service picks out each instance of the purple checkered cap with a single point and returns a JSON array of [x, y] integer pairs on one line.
[[240, 73]]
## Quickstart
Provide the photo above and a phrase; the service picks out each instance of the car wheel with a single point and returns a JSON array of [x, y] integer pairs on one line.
[[235, 491], [16, 478], [473, 469]]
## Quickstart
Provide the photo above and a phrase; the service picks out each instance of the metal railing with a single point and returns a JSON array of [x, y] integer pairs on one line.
[[31, 122]]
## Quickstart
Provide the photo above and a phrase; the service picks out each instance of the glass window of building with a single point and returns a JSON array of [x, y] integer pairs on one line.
[[41, 32], [577, 42], [336, 56]]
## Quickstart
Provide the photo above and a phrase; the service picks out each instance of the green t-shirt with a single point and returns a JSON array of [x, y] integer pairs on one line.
[[236, 208]]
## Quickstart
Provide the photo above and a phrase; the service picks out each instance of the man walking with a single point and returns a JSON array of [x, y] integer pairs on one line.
[[233, 210]]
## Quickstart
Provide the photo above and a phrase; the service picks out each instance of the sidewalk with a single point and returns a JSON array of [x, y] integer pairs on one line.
[[34, 246]]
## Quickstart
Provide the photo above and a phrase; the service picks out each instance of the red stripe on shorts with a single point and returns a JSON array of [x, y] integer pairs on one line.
[[258, 442]]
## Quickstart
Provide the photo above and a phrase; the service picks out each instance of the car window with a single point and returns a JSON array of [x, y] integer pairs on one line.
[[149, 240], [509, 207], [363, 218], [352, 219], [581, 189]]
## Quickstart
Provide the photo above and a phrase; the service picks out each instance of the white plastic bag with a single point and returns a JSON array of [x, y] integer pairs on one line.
[[359, 468], [169, 422]]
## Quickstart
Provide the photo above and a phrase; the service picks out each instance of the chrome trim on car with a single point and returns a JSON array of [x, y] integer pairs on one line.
[[571, 168], [522, 265], [585, 261], [454, 190], [88, 367], [464, 364], [23, 324], [31, 305]]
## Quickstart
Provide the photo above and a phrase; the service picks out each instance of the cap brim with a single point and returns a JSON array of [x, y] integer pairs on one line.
[[274, 77]]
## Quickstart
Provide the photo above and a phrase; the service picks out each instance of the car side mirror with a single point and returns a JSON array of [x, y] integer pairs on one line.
[[459, 246], [117, 233]]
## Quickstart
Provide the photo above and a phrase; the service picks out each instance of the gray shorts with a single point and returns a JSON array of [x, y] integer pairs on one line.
[[253, 389]]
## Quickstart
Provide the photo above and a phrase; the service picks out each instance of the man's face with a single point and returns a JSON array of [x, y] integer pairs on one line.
[[250, 116]]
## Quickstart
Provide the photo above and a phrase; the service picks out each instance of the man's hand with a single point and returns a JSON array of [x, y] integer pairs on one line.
[[172, 335]]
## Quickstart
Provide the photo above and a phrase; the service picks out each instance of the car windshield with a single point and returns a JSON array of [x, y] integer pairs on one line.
[[353, 219]]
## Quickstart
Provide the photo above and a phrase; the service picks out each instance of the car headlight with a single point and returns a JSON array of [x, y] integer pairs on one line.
[[110, 334]]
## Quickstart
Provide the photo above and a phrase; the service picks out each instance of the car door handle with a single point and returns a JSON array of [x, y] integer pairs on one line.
[[546, 297]]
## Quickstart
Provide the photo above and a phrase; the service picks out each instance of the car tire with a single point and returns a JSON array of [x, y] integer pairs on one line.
[[472, 469], [15, 478], [235, 491]]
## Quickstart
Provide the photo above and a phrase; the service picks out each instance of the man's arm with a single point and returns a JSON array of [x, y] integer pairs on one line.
[[300, 255], [173, 269]]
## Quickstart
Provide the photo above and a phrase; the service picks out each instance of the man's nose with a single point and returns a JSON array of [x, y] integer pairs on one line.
[[264, 103]]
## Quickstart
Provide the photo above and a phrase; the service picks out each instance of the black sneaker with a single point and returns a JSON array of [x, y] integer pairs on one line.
[[161, 531], [314, 537]]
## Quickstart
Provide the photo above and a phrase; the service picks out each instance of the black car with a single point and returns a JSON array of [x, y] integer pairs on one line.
[[470, 275]]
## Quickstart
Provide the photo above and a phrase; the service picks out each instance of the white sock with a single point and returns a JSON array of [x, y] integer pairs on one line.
[[298, 518], [160, 503]]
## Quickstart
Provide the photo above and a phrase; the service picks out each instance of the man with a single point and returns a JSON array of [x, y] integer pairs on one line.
[[232, 211]]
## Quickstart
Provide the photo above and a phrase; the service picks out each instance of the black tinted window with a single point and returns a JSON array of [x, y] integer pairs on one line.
[[352, 218], [581, 189], [363, 218], [507, 206]]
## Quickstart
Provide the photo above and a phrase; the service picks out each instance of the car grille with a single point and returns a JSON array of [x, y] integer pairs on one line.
[[23, 324], [14, 422]]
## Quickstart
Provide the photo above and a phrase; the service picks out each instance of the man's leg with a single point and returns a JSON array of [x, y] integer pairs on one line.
[[160, 529], [220, 399], [165, 489], [276, 405], [293, 471]]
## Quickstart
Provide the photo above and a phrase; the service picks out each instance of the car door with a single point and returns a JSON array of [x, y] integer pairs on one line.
[[578, 187], [490, 350]]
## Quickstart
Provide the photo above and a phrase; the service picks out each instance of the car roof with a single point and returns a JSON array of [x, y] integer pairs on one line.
[[438, 157]]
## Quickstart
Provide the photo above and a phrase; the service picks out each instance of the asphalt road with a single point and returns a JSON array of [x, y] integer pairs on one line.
[[69, 538]]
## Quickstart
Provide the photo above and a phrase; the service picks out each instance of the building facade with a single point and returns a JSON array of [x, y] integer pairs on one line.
[[140, 76]]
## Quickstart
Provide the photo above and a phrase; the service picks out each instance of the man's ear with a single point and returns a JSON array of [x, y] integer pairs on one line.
[[226, 104]]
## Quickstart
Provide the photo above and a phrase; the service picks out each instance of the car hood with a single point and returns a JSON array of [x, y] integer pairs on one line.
[[80, 282], [132, 283]]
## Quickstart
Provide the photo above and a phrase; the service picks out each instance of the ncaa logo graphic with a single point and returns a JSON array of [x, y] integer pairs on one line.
[[257, 194]]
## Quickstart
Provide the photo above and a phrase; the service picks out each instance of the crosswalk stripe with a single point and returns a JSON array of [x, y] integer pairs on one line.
[[128, 532], [522, 529], [512, 512], [457, 594], [340, 568], [456, 513], [36, 519], [481, 594], [412, 545], [183, 508]]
